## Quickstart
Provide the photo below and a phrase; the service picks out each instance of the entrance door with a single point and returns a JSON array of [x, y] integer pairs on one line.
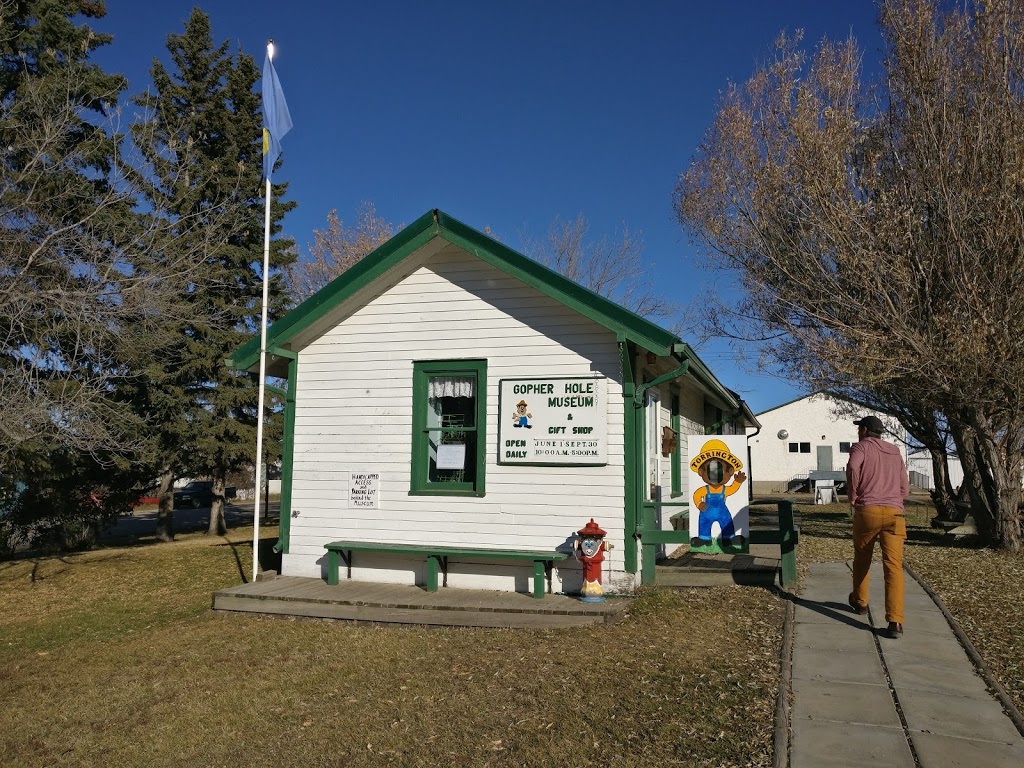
[[824, 458]]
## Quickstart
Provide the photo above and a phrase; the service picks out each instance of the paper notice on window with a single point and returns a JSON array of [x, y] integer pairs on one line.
[[364, 490], [451, 456]]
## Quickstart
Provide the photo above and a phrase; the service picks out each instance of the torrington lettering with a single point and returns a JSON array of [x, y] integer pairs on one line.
[[559, 411], [709, 454]]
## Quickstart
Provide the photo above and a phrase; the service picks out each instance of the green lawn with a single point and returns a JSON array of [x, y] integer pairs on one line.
[[113, 657]]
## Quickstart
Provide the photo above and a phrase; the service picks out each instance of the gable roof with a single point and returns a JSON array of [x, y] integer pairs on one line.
[[434, 224]]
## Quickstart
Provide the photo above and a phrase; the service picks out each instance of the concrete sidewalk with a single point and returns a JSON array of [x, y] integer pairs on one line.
[[862, 699]]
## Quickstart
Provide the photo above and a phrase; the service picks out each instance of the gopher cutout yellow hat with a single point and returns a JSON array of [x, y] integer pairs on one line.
[[716, 449]]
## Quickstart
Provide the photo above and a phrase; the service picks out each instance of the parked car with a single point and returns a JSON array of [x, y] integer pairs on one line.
[[199, 493]]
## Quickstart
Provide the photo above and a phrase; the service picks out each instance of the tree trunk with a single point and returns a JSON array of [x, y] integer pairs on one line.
[[165, 512], [993, 480], [964, 439], [218, 526], [1001, 481], [942, 494]]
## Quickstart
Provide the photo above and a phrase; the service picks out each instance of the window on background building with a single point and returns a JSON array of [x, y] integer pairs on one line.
[[794, 447], [805, 447], [844, 447], [448, 420]]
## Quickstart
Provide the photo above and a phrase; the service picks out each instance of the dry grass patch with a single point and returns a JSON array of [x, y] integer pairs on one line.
[[981, 587], [113, 658]]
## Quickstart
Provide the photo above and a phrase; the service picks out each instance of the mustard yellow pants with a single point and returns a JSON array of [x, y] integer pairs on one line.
[[888, 526]]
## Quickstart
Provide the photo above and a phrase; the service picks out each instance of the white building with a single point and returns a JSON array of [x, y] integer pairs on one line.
[[922, 473], [812, 433], [448, 390]]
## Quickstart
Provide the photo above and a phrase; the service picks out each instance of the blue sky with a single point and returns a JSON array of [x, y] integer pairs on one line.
[[503, 115]]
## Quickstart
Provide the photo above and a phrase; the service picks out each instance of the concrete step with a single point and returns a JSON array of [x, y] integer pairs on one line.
[[760, 568], [406, 604]]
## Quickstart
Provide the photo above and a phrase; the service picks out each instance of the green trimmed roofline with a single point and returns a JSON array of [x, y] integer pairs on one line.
[[436, 223], [626, 325]]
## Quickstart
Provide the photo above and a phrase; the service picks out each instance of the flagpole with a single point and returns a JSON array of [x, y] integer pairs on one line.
[[276, 123], [259, 401], [263, 372]]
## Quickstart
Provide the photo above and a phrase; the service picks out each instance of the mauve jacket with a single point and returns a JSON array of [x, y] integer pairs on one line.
[[876, 475]]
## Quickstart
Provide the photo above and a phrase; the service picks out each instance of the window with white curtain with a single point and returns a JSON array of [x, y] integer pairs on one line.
[[449, 419]]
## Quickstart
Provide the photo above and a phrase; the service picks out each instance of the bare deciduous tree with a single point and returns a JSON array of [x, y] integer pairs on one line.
[[84, 293], [879, 232], [614, 269], [337, 248]]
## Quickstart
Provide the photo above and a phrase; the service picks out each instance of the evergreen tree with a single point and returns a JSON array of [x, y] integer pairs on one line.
[[60, 220], [74, 309], [206, 160]]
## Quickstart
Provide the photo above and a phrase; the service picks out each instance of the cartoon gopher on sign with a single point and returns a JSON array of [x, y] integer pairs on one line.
[[719, 515]]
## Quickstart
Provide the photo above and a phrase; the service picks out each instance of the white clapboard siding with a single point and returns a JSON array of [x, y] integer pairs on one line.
[[354, 414]]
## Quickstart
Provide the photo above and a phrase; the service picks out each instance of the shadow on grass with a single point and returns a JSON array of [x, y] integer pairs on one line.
[[939, 541], [148, 538], [269, 560], [38, 558], [837, 611], [110, 540], [837, 525]]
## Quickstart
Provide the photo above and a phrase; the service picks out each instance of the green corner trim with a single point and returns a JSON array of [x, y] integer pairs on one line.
[[284, 515], [631, 452]]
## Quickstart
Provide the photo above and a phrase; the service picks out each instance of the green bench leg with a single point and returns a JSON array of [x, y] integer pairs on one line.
[[788, 544], [539, 578], [433, 566], [333, 564]]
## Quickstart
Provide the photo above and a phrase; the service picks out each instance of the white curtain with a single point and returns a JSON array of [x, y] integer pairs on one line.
[[453, 386]]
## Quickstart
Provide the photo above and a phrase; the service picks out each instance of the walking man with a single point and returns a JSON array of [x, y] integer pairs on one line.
[[877, 484]]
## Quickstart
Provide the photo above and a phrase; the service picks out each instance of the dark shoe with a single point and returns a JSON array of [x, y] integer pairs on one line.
[[894, 631], [700, 542], [856, 608]]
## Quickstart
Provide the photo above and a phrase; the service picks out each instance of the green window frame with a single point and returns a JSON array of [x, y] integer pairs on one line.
[[677, 454], [457, 417]]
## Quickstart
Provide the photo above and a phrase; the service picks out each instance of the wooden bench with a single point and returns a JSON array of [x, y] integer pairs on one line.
[[437, 559]]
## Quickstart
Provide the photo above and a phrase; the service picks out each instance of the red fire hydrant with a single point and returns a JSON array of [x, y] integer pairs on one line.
[[591, 547]]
